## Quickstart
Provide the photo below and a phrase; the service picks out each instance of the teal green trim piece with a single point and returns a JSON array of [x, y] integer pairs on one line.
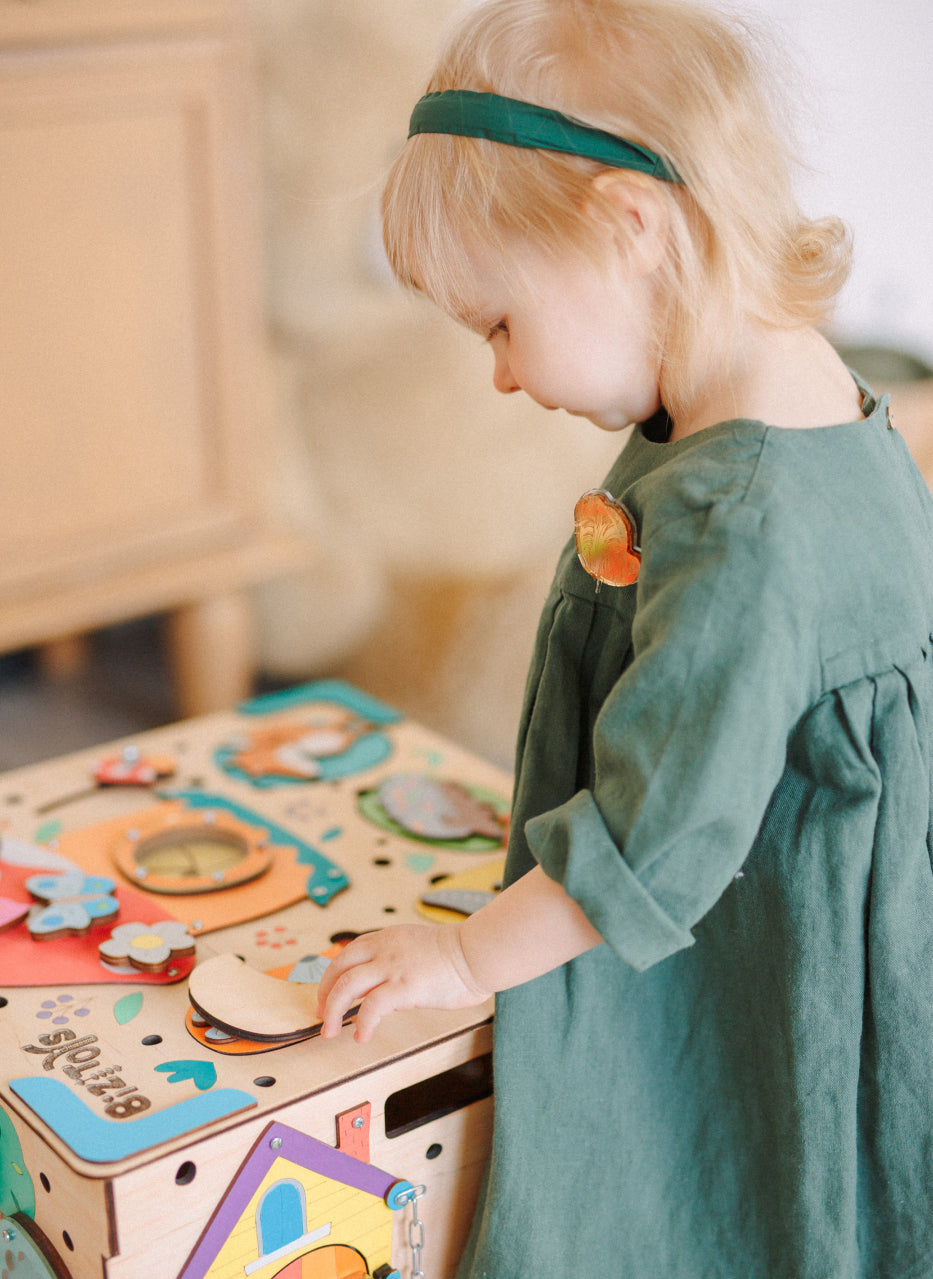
[[323, 690], [326, 880], [16, 1189], [463, 113]]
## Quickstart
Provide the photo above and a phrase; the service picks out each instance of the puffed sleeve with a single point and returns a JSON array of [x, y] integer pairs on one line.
[[691, 742]]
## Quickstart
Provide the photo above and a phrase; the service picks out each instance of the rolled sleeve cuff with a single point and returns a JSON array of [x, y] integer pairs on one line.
[[573, 846]]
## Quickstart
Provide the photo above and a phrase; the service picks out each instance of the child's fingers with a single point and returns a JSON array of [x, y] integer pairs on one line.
[[346, 959], [374, 1007], [404, 967], [345, 989]]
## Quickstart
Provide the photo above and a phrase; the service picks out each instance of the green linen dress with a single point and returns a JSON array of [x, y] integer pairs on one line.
[[728, 765]]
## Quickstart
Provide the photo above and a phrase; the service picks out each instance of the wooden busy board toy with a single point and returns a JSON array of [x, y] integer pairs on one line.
[[167, 908]]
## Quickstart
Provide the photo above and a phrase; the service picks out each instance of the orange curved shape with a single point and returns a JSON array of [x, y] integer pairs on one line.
[[334, 1261], [604, 533]]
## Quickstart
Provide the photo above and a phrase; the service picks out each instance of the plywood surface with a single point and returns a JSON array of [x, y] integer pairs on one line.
[[75, 1058], [53, 808]]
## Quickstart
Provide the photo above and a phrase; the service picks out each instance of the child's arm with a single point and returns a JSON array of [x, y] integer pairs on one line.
[[530, 928]]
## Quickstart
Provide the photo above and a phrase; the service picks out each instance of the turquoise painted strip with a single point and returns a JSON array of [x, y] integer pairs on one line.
[[323, 690], [102, 1141], [326, 878]]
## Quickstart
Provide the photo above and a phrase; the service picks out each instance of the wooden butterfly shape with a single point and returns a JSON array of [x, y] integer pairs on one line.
[[70, 904], [604, 533]]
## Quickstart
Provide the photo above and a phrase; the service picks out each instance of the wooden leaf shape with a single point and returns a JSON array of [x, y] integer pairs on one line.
[[436, 809], [605, 536]]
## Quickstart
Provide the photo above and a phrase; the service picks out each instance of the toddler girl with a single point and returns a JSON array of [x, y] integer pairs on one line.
[[713, 956]]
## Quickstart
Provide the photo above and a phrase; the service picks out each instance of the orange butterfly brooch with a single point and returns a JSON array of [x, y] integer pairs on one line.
[[604, 533]]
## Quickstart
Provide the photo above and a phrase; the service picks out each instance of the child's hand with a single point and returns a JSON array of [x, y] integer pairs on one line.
[[406, 966]]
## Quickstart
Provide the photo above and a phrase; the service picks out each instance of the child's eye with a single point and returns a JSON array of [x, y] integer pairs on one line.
[[501, 327]]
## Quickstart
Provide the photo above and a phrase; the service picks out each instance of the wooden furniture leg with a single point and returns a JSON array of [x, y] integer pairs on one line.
[[212, 653], [65, 657]]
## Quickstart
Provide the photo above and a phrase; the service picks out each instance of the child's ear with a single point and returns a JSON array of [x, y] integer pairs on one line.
[[632, 208]]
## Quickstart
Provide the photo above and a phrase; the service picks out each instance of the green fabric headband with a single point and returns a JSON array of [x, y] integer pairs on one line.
[[522, 124]]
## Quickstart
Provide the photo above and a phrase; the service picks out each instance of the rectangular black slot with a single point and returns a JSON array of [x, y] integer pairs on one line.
[[440, 1095]]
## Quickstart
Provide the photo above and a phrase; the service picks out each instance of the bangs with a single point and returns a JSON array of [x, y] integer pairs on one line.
[[431, 195], [449, 200]]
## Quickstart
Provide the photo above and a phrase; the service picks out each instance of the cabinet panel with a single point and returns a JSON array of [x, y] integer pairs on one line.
[[125, 360], [60, 20], [97, 223]]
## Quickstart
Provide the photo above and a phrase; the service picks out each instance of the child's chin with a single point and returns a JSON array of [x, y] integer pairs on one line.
[[605, 422]]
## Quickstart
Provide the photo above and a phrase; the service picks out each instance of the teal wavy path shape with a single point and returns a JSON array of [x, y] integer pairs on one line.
[[323, 690], [103, 1141], [326, 878]]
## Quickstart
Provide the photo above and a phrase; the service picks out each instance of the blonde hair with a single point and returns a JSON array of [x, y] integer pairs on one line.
[[682, 79]]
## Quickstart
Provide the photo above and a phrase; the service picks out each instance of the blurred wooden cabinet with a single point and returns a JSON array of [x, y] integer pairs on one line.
[[131, 342]]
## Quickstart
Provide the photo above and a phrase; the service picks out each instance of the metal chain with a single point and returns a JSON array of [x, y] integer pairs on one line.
[[415, 1228]]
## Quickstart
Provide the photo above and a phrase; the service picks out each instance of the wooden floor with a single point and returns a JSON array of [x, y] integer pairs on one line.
[[124, 690]]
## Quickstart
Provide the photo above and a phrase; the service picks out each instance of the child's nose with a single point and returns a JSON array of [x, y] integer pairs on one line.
[[502, 378]]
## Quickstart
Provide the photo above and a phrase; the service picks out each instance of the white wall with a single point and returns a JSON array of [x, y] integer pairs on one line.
[[868, 133], [867, 128]]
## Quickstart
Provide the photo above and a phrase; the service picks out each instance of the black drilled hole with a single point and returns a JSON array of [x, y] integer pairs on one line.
[[151, 1040], [66, 1239], [186, 1174]]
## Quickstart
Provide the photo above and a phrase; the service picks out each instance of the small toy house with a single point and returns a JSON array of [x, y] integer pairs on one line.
[[298, 1209]]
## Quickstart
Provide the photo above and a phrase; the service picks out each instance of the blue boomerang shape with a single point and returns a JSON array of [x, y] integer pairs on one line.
[[103, 1141]]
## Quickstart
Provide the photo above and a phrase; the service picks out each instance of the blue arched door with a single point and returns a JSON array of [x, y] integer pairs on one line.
[[281, 1216]]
